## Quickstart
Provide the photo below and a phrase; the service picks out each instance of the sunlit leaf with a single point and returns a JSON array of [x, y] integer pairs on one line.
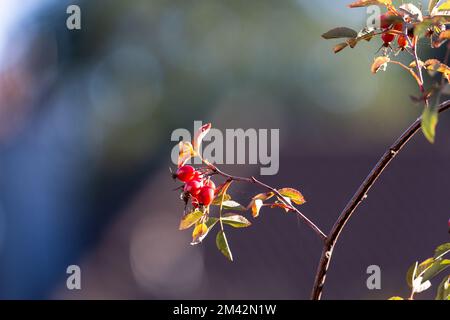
[[365, 3], [190, 219], [443, 292], [380, 63], [199, 135], [443, 5], [186, 152], [293, 194], [417, 269], [444, 35], [339, 47], [396, 298], [411, 12], [232, 205], [434, 65], [256, 206], [340, 32], [420, 285], [235, 220], [280, 204], [199, 233], [257, 202], [429, 123], [218, 199], [442, 250], [222, 245], [437, 267]]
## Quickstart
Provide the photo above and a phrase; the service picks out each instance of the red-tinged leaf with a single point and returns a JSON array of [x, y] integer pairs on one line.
[[366, 3], [340, 32], [293, 194], [190, 219], [435, 65], [256, 206], [379, 64], [281, 205], [222, 245], [199, 135], [339, 47], [186, 152], [444, 35], [257, 202]]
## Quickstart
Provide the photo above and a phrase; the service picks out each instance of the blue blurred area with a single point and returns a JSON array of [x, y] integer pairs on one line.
[[86, 118]]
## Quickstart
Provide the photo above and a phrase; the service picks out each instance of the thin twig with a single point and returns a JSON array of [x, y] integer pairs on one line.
[[288, 205], [358, 197]]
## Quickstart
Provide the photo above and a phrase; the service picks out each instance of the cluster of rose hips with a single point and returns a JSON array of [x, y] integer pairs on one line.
[[200, 187], [387, 24]]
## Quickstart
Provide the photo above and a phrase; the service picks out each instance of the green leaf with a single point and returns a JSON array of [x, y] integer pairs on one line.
[[292, 194], [437, 267], [420, 29], [218, 199], [231, 204], [340, 32], [429, 123], [443, 292], [190, 219], [211, 222], [235, 220], [222, 245], [442, 250]]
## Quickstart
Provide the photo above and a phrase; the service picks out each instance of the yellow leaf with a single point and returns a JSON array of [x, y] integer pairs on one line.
[[190, 219], [429, 123], [256, 206], [186, 152], [293, 194], [435, 65], [365, 3], [379, 63], [200, 230]]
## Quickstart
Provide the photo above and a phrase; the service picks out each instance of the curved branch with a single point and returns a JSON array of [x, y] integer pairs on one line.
[[358, 197]]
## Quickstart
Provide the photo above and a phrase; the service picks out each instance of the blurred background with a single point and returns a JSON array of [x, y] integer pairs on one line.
[[85, 123]]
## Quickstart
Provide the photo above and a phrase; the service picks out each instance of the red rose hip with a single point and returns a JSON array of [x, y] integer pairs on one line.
[[206, 196], [193, 187], [387, 38], [185, 173]]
